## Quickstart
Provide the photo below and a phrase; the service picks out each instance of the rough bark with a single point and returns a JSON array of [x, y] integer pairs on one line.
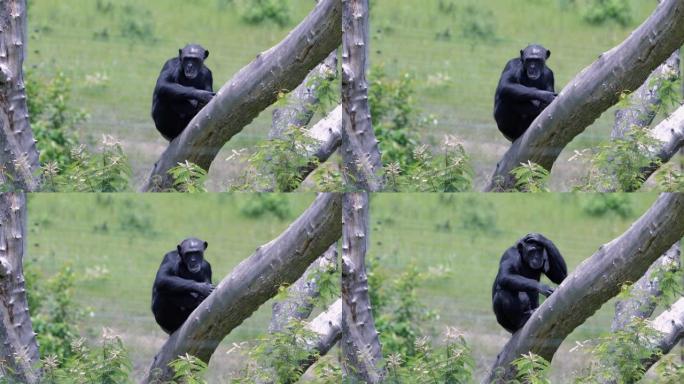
[[641, 301], [255, 280], [18, 345], [644, 102], [251, 90], [360, 342], [19, 162], [302, 101], [670, 132], [594, 90], [671, 326], [299, 302], [362, 161], [595, 281]]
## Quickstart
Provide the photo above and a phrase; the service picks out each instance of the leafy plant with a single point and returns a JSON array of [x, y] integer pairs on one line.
[[188, 370], [530, 177], [531, 369], [260, 11], [602, 11], [188, 177], [478, 25], [605, 203], [260, 204]]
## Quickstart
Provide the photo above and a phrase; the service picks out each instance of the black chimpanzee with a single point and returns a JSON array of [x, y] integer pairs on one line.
[[183, 281], [184, 86], [515, 294], [526, 87]]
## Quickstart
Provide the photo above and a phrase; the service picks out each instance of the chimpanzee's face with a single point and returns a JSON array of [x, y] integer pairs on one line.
[[191, 251], [534, 60], [193, 260], [534, 255], [192, 58]]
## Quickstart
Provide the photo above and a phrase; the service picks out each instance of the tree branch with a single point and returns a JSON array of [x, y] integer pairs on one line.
[[595, 281], [254, 281], [18, 345], [671, 326], [251, 90], [19, 162], [362, 160], [594, 90]]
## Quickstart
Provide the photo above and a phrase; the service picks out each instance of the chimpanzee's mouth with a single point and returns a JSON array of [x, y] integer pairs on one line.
[[194, 269]]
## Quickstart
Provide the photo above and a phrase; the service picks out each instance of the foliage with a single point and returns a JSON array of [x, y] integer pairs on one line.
[[53, 119], [669, 371], [530, 177], [668, 89], [604, 203], [602, 11], [531, 369], [107, 171], [669, 179], [261, 11], [618, 165], [403, 324], [188, 370], [478, 25], [260, 204], [137, 24], [478, 216], [188, 177]]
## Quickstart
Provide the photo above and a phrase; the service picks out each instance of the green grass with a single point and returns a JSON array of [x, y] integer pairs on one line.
[[140, 229], [427, 230]]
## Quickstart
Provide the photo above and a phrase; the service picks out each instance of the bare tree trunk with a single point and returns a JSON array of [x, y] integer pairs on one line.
[[595, 281], [671, 326], [251, 90], [360, 342], [299, 303], [302, 101], [18, 345], [250, 284], [594, 90], [671, 134], [362, 160], [641, 301], [19, 162], [644, 102]]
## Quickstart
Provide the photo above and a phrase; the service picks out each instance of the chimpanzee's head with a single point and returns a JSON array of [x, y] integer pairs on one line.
[[191, 251], [533, 253], [192, 58], [534, 60]]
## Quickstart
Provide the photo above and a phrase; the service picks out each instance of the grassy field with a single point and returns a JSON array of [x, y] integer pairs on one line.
[[432, 231], [127, 236], [455, 76]]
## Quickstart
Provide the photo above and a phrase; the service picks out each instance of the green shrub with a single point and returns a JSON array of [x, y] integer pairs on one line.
[[605, 203], [260, 11], [602, 11], [260, 204]]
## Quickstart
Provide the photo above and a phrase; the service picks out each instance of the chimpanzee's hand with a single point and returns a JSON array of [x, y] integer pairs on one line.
[[204, 97], [545, 290], [547, 97], [205, 289]]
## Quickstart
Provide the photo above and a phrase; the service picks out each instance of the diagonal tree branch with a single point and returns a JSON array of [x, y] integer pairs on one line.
[[252, 283], [594, 90], [251, 90], [18, 345], [670, 132], [671, 326], [19, 163], [594, 282]]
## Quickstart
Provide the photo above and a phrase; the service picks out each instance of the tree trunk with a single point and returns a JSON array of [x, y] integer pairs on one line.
[[645, 101], [255, 280], [595, 281], [302, 101], [361, 348], [18, 345], [641, 301], [671, 134], [299, 302], [19, 162], [362, 160], [671, 325], [251, 90], [594, 90]]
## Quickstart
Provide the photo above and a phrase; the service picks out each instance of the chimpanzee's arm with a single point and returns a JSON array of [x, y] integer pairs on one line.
[[551, 82], [510, 87], [558, 271], [209, 83], [168, 281], [509, 278]]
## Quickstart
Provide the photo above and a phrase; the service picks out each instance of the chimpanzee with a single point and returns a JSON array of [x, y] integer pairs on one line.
[[515, 294], [184, 87], [526, 87], [183, 281]]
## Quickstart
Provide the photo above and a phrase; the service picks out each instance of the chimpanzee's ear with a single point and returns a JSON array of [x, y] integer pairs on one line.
[[521, 55], [206, 54], [206, 245], [178, 248], [180, 53], [548, 54], [521, 246]]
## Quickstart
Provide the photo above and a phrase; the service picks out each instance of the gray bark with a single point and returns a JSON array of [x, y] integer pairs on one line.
[[594, 90], [301, 102], [251, 90], [19, 163], [645, 100], [300, 295], [595, 281], [18, 345], [362, 160], [670, 132], [641, 301], [360, 342], [671, 326], [255, 280]]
